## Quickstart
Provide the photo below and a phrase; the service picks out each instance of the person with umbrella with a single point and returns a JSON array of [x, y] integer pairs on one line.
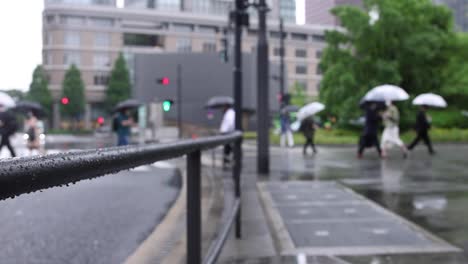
[[423, 120], [369, 136], [422, 127], [8, 127], [307, 128], [285, 125], [391, 133], [124, 122], [227, 126], [32, 130]]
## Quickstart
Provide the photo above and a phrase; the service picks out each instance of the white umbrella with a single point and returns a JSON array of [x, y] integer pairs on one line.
[[309, 110], [6, 100], [430, 99], [386, 92]]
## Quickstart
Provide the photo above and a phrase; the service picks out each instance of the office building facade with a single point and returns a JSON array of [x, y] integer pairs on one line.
[[318, 11], [92, 37], [460, 12]]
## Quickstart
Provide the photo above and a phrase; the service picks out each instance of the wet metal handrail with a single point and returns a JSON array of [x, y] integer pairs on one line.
[[29, 174]]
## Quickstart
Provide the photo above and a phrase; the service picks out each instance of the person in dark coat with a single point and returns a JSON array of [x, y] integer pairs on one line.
[[8, 127], [369, 136], [422, 129], [308, 130]]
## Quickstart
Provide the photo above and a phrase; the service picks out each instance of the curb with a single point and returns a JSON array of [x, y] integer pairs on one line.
[[167, 243], [154, 248]]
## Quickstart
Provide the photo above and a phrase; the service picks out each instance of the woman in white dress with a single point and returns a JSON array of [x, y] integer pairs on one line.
[[391, 133]]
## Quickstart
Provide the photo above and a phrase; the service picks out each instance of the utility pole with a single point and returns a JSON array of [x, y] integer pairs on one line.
[[241, 19], [179, 99], [281, 75], [263, 109]]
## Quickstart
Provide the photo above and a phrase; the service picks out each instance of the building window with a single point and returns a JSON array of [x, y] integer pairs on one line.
[[102, 22], [184, 45], [47, 58], [50, 19], [301, 69], [252, 32], [301, 53], [318, 38], [207, 30], [71, 57], [318, 54], [277, 51], [179, 27], [102, 39], [72, 20], [101, 60], [276, 34], [72, 39], [48, 38], [297, 36], [101, 79], [209, 47]]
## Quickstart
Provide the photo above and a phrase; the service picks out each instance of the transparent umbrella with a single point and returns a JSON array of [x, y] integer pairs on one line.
[[430, 99], [309, 110], [6, 100], [386, 92]]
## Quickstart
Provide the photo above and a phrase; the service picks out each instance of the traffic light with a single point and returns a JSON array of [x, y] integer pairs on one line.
[[64, 100], [224, 53], [167, 104], [100, 120], [164, 81]]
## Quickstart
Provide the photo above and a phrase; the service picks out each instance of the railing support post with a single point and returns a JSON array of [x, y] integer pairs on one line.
[[237, 183], [193, 208]]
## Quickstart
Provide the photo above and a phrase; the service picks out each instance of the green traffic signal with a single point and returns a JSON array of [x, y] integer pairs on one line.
[[166, 105]]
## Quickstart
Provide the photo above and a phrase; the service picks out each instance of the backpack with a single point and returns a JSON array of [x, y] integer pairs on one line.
[[115, 124]]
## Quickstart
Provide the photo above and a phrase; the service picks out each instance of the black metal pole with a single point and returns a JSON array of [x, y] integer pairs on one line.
[[193, 208], [263, 122], [282, 53], [179, 100], [239, 15]]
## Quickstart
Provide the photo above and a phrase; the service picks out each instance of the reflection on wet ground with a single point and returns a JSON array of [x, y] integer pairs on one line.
[[431, 191]]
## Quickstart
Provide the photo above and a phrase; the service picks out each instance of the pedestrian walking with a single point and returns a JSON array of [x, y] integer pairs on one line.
[[423, 124], [122, 124], [32, 130], [391, 133], [8, 127], [227, 126], [307, 128], [369, 136], [286, 133]]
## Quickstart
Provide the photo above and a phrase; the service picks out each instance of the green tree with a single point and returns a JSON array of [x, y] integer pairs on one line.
[[73, 89], [16, 94], [119, 87], [298, 95], [409, 46], [39, 91]]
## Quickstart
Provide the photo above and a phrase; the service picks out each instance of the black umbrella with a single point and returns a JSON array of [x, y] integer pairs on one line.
[[127, 104], [219, 102], [28, 106]]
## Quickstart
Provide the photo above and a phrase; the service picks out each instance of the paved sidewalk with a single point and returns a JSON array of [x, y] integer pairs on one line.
[[420, 191]]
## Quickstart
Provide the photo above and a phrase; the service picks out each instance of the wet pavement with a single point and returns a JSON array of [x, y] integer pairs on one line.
[[430, 191], [98, 221]]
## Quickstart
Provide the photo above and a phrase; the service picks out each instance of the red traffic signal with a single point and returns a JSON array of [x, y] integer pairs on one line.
[[100, 120], [65, 100], [164, 81]]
